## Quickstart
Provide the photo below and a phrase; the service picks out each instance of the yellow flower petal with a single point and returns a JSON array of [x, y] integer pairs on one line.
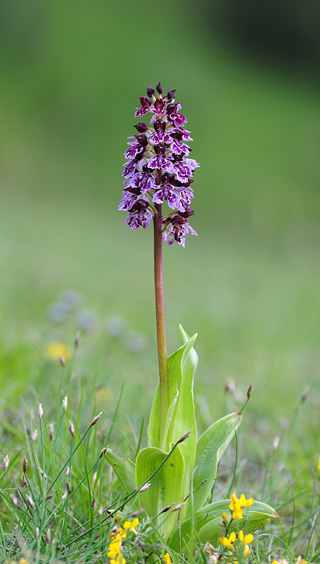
[[57, 350], [166, 559]]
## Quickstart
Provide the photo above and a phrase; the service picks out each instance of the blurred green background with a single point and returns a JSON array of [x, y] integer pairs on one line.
[[71, 76]]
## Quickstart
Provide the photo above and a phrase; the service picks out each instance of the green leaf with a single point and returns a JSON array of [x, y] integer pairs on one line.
[[124, 469], [208, 522], [210, 448], [166, 485], [181, 366], [181, 414]]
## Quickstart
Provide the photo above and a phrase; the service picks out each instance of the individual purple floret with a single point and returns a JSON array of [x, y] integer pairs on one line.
[[158, 168]]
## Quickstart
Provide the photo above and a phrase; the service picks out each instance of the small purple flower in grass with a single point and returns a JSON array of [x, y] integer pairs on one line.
[[158, 169]]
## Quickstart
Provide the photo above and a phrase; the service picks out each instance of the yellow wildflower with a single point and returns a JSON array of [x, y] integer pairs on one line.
[[119, 560], [318, 464], [237, 505], [118, 534], [57, 350], [130, 525], [245, 539], [224, 518], [246, 550], [114, 548], [228, 541], [21, 561], [166, 559], [245, 502]]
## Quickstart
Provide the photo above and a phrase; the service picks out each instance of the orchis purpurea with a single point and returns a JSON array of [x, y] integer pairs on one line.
[[158, 168], [178, 467]]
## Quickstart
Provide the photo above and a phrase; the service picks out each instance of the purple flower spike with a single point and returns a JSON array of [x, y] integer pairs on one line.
[[158, 168]]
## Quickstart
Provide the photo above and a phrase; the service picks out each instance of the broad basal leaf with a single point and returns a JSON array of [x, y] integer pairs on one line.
[[174, 369], [166, 485], [210, 448]]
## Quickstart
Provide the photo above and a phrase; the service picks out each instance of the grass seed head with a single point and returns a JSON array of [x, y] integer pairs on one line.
[[40, 411], [71, 429], [96, 419], [30, 501], [65, 403], [5, 463]]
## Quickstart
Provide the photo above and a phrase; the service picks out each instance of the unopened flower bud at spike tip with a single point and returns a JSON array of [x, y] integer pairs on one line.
[[24, 464], [159, 88], [171, 94], [141, 127], [62, 361], [150, 92], [40, 411], [249, 392]]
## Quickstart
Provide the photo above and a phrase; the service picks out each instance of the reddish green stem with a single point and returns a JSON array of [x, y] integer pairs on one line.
[[161, 329]]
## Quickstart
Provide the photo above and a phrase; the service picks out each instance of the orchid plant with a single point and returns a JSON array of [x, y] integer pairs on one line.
[[174, 476]]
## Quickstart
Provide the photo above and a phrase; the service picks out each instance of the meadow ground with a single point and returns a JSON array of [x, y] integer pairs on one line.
[[248, 285], [257, 327]]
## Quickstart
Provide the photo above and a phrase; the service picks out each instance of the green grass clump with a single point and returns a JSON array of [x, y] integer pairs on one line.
[[61, 501]]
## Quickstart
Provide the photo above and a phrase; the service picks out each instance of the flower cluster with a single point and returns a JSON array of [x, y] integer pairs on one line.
[[158, 168], [117, 537], [234, 542], [284, 561], [21, 561], [237, 505]]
